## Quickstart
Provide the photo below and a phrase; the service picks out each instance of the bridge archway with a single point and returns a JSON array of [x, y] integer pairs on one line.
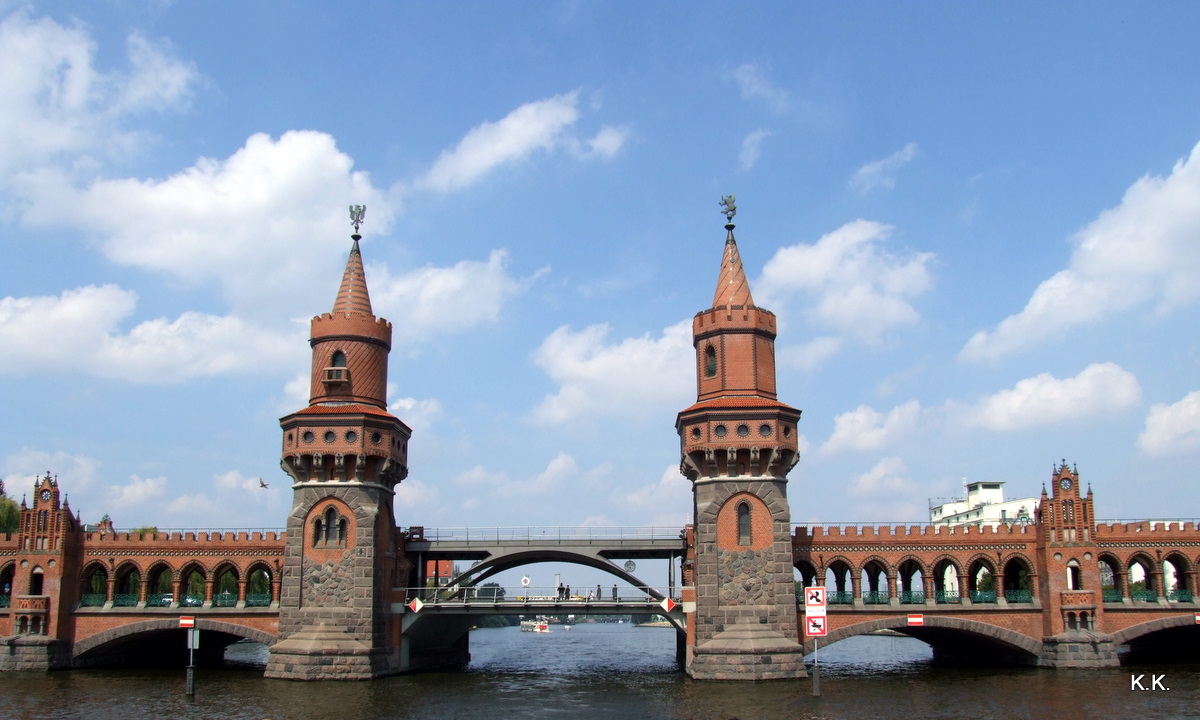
[[511, 560], [160, 642], [1169, 639], [954, 639]]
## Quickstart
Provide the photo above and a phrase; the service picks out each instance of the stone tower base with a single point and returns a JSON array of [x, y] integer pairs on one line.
[[37, 653], [325, 653], [1079, 649], [748, 650]]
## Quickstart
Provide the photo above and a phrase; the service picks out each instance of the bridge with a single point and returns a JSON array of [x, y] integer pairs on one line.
[[342, 592]]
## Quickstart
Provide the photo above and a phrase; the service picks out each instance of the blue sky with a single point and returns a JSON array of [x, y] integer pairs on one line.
[[978, 225]]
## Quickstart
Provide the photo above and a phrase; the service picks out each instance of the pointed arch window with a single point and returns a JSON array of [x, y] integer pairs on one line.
[[743, 521], [337, 372], [710, 361]]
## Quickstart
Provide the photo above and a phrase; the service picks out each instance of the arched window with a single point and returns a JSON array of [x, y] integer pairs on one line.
[[1074, 576], [710, 362], [330, 526], [317, 532], [339, 359], [743, 519], [35, 581]]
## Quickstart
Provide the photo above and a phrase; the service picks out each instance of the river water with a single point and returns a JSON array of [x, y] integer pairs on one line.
[[600, 671]]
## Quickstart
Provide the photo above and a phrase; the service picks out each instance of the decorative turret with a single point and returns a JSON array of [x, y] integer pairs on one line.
[[346, 434], [738, 443], [737, 427]]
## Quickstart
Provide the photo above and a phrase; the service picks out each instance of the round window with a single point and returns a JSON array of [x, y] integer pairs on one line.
[[743, 430], [787, 431], [351, 436], [308, 436], [330, 436], [695, 433], [764, 430], [376, 438], [720, 431]]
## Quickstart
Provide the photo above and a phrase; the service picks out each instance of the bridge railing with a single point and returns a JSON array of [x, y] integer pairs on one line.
[[577, 597], [544, 534]]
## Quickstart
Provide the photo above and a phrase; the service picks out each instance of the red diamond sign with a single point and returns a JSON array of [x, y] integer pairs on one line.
[[416, 605], [668, 604]]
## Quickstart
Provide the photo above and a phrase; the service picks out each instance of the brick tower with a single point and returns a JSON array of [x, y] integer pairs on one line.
[[345, 454], [1070, 576], [738, 443]]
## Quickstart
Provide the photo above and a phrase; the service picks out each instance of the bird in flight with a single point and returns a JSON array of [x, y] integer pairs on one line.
[[262, 484]]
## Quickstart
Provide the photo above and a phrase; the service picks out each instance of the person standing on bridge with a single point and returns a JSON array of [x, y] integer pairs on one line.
[[599, 595], [562, 592], [614, 592]]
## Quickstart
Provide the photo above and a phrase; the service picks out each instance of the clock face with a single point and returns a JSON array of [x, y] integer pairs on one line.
[[45, 495], [1065, 483]]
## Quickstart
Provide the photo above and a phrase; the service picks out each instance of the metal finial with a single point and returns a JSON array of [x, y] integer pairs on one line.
[[356, 216], [728, 208]]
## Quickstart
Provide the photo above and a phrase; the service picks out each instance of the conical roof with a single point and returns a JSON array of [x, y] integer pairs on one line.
[[352, 296], [732, 288]]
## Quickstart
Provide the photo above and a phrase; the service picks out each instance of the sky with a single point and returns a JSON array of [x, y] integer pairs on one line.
[[978, 225]]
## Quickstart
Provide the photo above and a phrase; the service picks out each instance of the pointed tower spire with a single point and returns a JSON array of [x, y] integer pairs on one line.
[[352, 294], [732, 288]]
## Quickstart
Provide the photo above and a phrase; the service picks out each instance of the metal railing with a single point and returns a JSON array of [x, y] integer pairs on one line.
[[1111, 595], [912, 597], [1180, 595], [125, 600], [947, 597], [258, 599], [492, 595], [550, 533], [93, 599], [833, 597], [1146, 595], [983, 596], [1018, 596], [159, 599], [5, 601], [225, 599], [875, 597]]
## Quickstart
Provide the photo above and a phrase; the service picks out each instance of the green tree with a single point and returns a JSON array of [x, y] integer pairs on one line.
[[10, 515], [490, 591]]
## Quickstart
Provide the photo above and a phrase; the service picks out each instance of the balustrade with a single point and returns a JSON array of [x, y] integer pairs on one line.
[[912, 597], [1018, 596]]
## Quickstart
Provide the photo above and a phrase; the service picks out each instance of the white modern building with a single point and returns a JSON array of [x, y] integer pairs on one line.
[[983, 505]]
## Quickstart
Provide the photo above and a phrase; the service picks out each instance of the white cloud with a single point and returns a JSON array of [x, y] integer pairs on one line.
[[811, 355], [78, 332], [855, 285], [752, 148], [59, 102], [638, 376], [420, 415], [1172, 429], [1044, 399], [666, 503], [137, 491], [544, 125], [865, 428], [886, 476], [22, 469], [429, 300], [1144, 251], [262, 223], [560, 469], [755, 86], [882, 173]]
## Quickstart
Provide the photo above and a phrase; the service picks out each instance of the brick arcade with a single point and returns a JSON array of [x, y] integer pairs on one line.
[[329, 594]]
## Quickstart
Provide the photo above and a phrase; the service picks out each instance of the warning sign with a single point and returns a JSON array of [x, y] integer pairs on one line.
[[187, 621], [416, 605], [814, 626], [814, 597], [916, 620], [668, 604]]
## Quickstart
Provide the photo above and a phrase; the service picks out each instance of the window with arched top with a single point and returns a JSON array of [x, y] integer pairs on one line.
[[743, 521], [330, 526], [1074, 576], [339, 359], [710, 361]]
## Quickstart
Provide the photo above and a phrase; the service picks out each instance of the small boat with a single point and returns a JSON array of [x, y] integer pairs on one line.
[[541, 625]]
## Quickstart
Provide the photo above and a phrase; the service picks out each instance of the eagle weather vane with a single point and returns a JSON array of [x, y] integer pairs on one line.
[[728, 208], [356, 216]]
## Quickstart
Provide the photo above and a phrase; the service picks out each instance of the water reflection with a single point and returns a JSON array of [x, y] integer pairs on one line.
[[613, 671]]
